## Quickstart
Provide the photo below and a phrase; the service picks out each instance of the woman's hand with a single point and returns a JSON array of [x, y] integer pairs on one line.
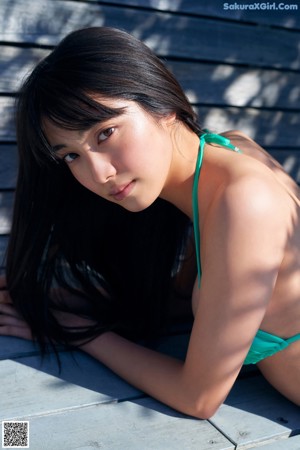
[[11, 323]]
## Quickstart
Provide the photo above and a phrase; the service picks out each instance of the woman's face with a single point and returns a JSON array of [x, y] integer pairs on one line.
[[125, 160]]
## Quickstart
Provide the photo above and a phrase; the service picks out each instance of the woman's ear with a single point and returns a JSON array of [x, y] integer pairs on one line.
[[168, 120]]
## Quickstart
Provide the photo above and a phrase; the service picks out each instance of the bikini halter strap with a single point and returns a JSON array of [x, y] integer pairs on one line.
[[209, 138]]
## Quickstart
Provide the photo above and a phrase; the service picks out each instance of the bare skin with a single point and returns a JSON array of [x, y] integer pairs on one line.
[[250, 240]]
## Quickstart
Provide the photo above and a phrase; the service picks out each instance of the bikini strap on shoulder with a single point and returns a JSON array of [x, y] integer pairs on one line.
[[212, 138], [209, 138]]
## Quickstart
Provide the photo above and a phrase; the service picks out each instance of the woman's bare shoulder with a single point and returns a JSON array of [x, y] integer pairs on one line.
[[236, 134], [251, 148]]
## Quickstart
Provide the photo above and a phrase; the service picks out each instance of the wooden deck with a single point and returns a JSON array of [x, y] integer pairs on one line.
[[240, 69], [88, 407]]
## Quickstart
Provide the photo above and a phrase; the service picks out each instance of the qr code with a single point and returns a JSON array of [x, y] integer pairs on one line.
[[15, 434]]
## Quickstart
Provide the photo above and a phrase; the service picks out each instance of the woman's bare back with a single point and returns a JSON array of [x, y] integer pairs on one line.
[[282, 316]]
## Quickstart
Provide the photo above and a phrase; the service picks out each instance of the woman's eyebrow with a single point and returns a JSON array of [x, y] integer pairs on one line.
[[58, 147]]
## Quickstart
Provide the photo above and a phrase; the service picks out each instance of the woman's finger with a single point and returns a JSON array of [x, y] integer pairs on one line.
[[10, 317], [16, 331], [12, 324], [10, 320], [8, 309]]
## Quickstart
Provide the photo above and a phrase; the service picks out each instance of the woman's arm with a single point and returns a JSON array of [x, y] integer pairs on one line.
[[243, 245]]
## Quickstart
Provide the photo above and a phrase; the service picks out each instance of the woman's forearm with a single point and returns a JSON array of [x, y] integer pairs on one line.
[[156, 374]]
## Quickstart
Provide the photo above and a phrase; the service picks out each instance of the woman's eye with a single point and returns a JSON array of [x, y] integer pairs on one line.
[[105, 134], [70, 157]]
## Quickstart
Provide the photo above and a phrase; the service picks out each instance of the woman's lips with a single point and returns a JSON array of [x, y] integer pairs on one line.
[[123, 192]]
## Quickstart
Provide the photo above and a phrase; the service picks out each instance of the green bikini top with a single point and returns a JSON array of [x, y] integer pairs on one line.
[[209, 138], [264, 344]]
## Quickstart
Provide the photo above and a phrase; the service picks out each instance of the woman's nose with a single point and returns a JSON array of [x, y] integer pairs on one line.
[[101, 168]]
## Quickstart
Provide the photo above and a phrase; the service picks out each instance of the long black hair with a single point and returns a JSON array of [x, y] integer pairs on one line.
[[69, 249]]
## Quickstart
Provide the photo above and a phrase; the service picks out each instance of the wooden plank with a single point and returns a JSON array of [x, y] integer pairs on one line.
[[229, 85], [290, 161], [223, 84], [16, 63], [80, 369], [269, 128], [12, 348], [293, 443], [27, 392], [288, 18], [167, 34], [83, 383], [7, 124], [145, 425], [8, 166], [6, 201], [255, 414]]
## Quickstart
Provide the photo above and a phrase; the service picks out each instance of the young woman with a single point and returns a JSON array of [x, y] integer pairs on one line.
[[113, 170]]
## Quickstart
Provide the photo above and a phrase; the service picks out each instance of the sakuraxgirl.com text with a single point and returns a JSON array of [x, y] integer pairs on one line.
[[260, 6]]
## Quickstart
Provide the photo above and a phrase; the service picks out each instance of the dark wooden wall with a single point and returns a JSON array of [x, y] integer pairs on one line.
[[240, 69]]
